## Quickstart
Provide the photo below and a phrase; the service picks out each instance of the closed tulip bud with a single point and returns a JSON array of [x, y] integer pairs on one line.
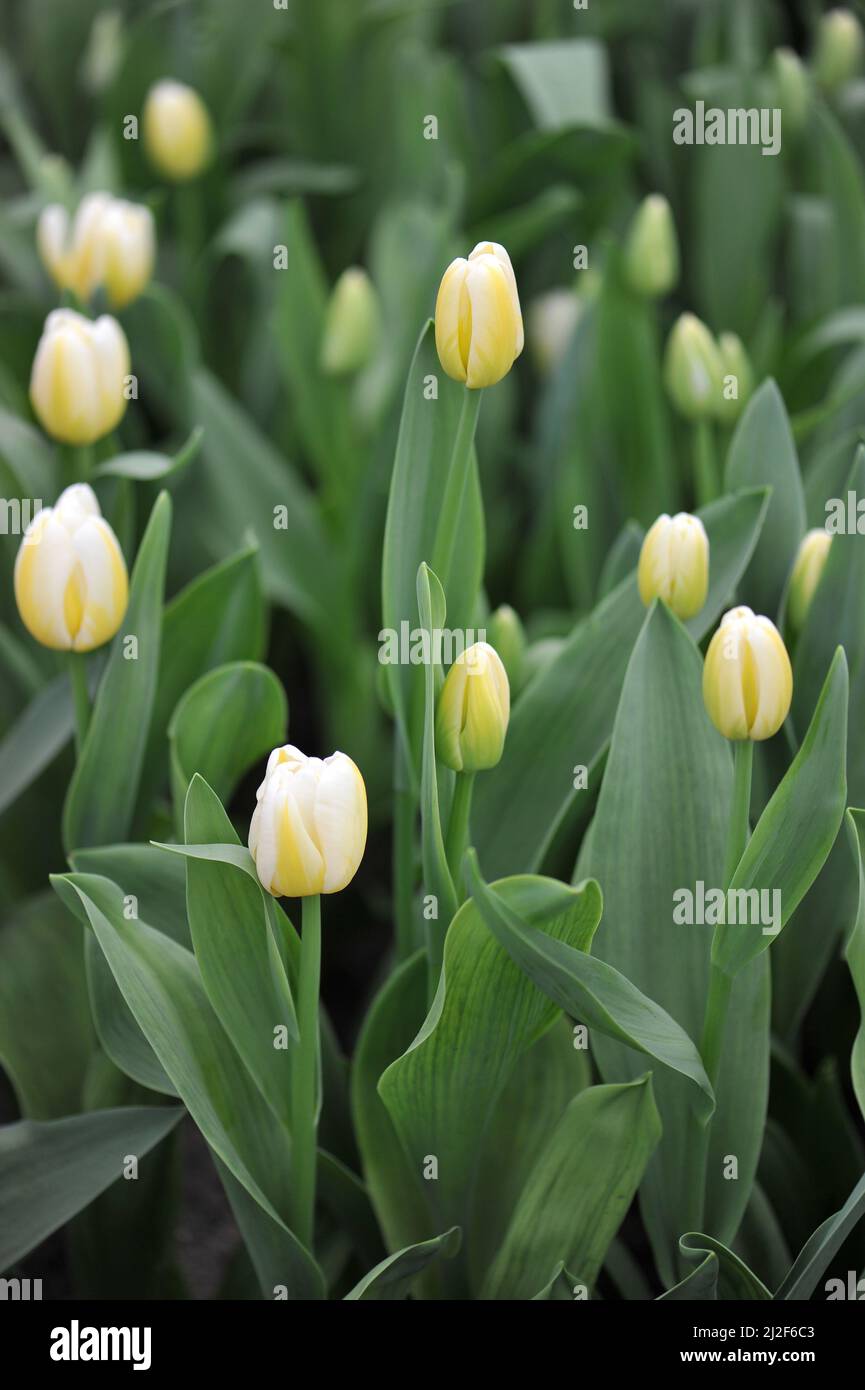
[[308, 829], [747, 680], [807, 568], [508, 638], [177, 132], [352, 324], [652, 248], [838, 52], [674, 564], [692, 369], [110, 244], [478, 323], [473, 709], [70, 576], [77, 385], [550, 323], [792, 87], [737, 379]]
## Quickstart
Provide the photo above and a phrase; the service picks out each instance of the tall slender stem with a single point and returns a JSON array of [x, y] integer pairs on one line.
[[458, 825], [739, 828], [304, 1076], [77, 663], [455, 487], [705, 468]]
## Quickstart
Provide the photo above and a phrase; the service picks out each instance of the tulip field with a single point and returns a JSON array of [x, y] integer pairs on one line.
[[432, 657]]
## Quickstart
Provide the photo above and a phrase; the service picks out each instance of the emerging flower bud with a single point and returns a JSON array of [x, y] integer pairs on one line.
[[79, 375], [308, 829], [352, 324], [551, 320], [474, 706], [70, 576], [109, 244], [793, 89], [508, 638], [652, 248], [674, 564], [734, 394], [479, 326], [747, 679], [692, 369], [838, 51], [177, 132], [805, 576]]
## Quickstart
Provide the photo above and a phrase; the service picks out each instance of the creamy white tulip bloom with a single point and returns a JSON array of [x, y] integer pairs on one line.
[[177, 131], [478, 321], [674, 564], [747, 678], [808, 566], [77, 385], [109, 244], [308, 829], [473, 710], [71, 585]]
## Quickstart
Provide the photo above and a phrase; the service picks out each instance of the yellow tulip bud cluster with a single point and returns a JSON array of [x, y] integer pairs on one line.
[[79, 376], [473, 711], [177, 131], [71, 585], [110, 244], [697, 370], [308, 829], [674, 564], [478, 321]]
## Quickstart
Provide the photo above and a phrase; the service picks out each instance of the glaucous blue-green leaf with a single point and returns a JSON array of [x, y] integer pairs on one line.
[[855, 956], [102, 794], [148, 466], [718, 1273], [660, 830], [39, 733], [51, 1169], [579, 1190], [814, 1257], [391, 1280]]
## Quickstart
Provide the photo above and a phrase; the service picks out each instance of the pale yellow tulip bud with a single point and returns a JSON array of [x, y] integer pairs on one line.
[[747, 678], [793, 88], [674, 564], [807, 568], [478, 323], [308, 829], [70, 576], [110, 244], [79, 376], [652, 248], [508, 638], [352, 324], [839, 48], [177, 130], [692, 369], [550, 323], [737, 379], [473, 709]]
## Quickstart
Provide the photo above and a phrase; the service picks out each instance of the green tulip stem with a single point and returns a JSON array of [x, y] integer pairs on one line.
[[455, 487], [304, 1106], [458, 825], [705, 467], [739, 828], [80, 697]]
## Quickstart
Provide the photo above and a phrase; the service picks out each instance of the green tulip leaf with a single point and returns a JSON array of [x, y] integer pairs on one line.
[[719, 1274], [855, 956], [146, 466], [391, 1280], [826, 1241]]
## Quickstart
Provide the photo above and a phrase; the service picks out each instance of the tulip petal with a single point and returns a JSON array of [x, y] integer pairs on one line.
[[450, 306], [43, 567], [340, 820], [105, 584], [495, 326]]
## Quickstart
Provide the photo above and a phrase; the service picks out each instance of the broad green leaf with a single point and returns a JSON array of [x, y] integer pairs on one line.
[[762, 453], [46, 1036], [559, 1288], [284, 1267], [437, 874], [441, 1094], [342, 1193], [231, 936], [826, 1241], [622, 558], [428, 428], [225, 722], [564, 83], [855, 956], [580, 1189], [50, 1170], [564, 717], [395, 1187], [719, 1274], [160, 982], [101, 797], [661, 827], [392, 1279], [590, 990], [35, 739], [146, 466], [798, 827]]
